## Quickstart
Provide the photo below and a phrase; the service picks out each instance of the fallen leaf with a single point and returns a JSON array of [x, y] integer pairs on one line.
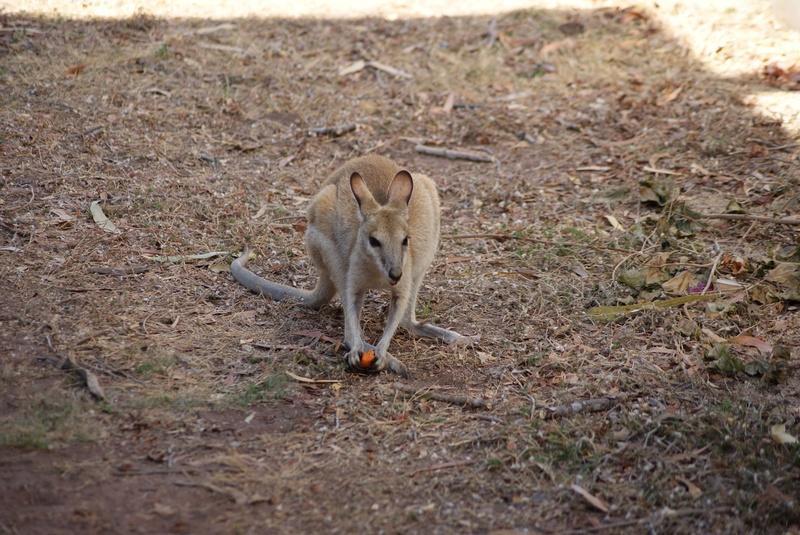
[[734, 207], [89, 379], [579, 270], [591, 499], [100, 218], [669, 96], [63, 215], [614, 222], [711, 335], [657, 192], [557, 46], [763, 347], [353, 68], [694, 490], [75, 70], [727, 285], [633, 278], [163, 509], [779, 435], [735, 264], [678, 284], [484, 357]]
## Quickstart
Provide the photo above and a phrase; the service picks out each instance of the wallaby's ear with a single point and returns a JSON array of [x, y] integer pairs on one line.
[[401, 188], [366, 202]]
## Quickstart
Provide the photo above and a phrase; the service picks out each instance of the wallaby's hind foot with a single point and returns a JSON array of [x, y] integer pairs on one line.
[[429, 330]]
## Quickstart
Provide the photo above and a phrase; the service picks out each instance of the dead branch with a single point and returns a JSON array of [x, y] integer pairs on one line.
[[89, 379], [576, 407], [748, 217], [455, 399], [333, 131], [119, 271], [506, 237], [453, 154]]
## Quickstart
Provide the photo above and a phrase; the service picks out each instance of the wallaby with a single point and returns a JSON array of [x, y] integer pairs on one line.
[[371, 226]]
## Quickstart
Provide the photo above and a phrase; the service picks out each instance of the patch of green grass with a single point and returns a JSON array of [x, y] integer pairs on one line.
[[157, 365], [424, 310], [494, 464], [45, 424], [165, 400], [273, 387], [162, 52], [576, 234]]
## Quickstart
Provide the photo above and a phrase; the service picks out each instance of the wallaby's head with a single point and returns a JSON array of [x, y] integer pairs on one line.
[[383, 233]]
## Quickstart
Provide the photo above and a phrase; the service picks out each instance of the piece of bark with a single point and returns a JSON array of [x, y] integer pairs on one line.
[[451, 154], [334, 131], [577, 407]]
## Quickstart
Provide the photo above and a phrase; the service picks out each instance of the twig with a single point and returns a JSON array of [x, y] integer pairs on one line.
[[586, 405], [711, 274], [748, 217], [455, 399], [334, 131], [306, 380], [120, 271], [506, 237], [441, 466], [389, 69], [453, 154]]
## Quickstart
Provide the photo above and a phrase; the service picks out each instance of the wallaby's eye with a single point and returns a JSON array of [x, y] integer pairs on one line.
[[405, 241], [373, 242]]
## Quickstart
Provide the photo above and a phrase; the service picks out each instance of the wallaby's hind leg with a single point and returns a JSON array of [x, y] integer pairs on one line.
[[325, 289], [428, 330]]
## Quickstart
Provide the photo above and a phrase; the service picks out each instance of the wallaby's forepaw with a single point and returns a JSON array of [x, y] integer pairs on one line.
[[356, 361]]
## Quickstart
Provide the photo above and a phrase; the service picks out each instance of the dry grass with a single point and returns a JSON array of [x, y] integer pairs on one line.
[[196, 149]]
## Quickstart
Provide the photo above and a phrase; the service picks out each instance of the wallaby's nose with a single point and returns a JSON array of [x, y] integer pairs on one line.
[[394, 275]]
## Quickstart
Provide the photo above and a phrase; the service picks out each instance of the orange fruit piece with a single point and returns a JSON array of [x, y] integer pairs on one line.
[[367, 359]]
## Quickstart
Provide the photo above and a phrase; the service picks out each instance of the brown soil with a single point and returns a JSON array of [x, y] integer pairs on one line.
[[196, 140]]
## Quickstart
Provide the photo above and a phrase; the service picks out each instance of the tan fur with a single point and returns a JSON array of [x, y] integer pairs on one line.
[[364, 198]]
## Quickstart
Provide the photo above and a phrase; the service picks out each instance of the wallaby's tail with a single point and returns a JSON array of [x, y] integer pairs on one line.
[[275, 290]]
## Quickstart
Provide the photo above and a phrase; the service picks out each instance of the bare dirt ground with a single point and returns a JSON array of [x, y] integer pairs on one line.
[[610, 139]]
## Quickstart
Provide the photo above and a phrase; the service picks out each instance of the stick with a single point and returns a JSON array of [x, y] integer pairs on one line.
[[506, 237], [711, 274], [388, 69], [300, 379], [119, 272], [576, 407], [453, 154], [748, 217], [334, 131], [455, 399]]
